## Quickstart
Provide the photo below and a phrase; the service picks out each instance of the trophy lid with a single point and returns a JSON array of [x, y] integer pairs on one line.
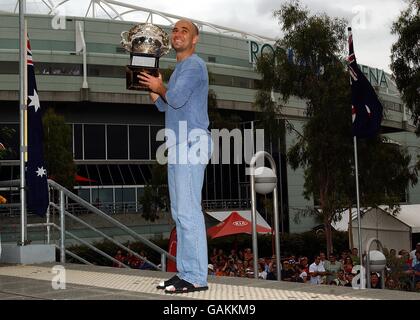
[[146, 38]]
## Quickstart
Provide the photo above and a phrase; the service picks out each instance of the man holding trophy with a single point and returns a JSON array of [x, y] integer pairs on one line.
[[184, 102]]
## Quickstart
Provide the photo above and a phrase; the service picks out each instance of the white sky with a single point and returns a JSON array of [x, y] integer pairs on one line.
[[371, 20]]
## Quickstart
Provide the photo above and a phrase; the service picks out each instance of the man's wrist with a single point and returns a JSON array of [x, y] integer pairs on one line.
[[162, 92]]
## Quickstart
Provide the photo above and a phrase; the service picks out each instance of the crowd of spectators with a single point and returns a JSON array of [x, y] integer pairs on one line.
[[402, 270], [132, 261]]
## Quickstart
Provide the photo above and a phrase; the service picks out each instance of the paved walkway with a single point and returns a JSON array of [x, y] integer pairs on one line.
[[104, 283]]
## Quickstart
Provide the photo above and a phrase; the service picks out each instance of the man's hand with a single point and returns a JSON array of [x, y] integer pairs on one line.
[[155, 84]]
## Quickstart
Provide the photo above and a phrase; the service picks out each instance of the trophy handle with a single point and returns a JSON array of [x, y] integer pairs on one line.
[[124, 40]]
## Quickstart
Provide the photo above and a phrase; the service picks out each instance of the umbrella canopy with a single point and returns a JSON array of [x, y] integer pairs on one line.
[[234, 224], [83, 179]]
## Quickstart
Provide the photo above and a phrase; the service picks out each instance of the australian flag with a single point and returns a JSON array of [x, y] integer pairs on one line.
[[366, 108], [36, 173]]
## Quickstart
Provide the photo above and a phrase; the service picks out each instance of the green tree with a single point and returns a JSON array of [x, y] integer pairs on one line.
[[5, 136], [405, 57], [58, 149], [155, 198], [317, 74]]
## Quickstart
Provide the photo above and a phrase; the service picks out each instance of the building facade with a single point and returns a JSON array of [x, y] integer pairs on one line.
[[114, 129]]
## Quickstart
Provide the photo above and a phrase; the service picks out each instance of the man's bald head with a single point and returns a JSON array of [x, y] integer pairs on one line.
[[193, 26]]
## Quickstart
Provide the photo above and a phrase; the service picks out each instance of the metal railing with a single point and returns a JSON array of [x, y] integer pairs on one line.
[[227, 204], [64, 196], [62, 201]]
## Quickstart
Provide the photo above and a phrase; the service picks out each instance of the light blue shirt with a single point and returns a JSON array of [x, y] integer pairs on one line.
[[186, 98]]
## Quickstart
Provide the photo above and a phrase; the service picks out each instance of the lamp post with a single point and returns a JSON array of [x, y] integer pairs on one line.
[[264, 180]]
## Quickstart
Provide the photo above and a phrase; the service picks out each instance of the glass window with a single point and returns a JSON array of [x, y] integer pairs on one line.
[[105, 174], [118, 195], [221, 80], [125, 195], [93, 174], [84, 194], [94, 137], [139, 142], [115, 174], [155, 144], [58, 69], [78, 141], [137, 174], [105, 195], [9, 67], [127, 175], [117, 142], [106, 71], [129, 194]]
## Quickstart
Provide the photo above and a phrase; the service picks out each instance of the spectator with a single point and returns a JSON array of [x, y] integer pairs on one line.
[[133, 261], [416, 269], [406, 270], [272, 270], [262, 274], [233, 255], [392, 253], [119, 256], [304, 263], [355, 256], [340, 280], [343, 258], [323, 258], [287, 272], [391, 284], [241, 255], [221, 258], [413, 252], [213, 256], [303, 276], [348, 265], [316, 271], [349, 278], [248, 256], [144, 265], [374, 281], [230, 267], [332, 267]]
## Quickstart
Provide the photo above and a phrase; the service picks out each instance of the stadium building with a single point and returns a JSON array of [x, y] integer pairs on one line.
[[114, 129]]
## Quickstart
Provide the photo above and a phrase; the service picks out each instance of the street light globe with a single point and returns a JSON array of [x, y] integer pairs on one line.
[[265, 180], [377, 261]]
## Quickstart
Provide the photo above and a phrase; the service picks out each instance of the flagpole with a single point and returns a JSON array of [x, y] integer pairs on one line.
[[359, 229], [22, 104]]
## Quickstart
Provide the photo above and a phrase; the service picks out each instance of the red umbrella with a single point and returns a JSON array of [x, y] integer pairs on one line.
[[234, 224], [83, 179]]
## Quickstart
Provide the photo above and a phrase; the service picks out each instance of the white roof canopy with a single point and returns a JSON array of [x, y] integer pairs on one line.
[[409, 214]]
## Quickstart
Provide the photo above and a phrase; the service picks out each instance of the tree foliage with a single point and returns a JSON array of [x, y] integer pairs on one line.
[[155, 198], [58, 149], [5, 136], [405, 57]]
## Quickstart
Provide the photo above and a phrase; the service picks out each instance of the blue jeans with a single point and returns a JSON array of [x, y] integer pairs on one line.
[[185, 185]]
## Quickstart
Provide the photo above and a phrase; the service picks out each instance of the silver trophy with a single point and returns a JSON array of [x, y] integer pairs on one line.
[[146, 43]]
